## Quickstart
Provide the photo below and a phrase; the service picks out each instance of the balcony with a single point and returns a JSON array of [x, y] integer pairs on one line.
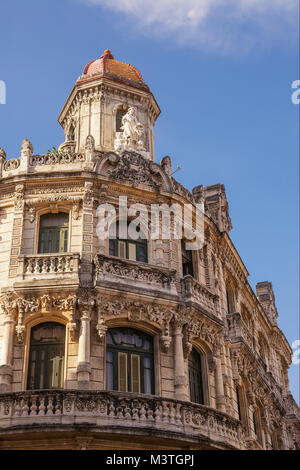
[[193, 291], [41, 267], [112, 271], [120, 413]]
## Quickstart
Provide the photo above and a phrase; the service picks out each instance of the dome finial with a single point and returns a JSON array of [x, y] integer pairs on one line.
[[107, 54]]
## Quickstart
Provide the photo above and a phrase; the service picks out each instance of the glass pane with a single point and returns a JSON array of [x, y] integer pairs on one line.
[[109, 370], [50, 241], [141, 254], [147, 375], [135, 373], [42, 369], [65, 241], [127, 338], [122, 372], [32, 370], [112, 248], [119, 115], [61, 219]]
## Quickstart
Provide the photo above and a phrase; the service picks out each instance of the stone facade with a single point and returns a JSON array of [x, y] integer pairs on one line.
[[247, 403]]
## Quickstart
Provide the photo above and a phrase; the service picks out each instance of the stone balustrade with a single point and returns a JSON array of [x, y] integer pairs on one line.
[[44, 163], [144, 275], [196, 292], [102, 409], [46, 265], [57, 159]]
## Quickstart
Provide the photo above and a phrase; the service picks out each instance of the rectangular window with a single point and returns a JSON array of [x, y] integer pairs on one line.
[[123, 374], [135, 373]]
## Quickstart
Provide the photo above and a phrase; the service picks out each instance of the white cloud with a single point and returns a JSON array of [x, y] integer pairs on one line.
[[225, 24]]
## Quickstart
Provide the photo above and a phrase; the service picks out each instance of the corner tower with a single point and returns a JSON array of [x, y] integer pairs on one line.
[[106, 91]]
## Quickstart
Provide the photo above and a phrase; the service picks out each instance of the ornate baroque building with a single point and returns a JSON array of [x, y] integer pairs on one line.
[[128, 344]]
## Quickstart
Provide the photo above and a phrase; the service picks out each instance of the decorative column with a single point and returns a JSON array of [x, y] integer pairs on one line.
[[220, 397], [6, 353], [84, 344], [179, 372]]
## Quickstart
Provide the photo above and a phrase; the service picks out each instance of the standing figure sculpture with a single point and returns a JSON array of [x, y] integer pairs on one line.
[[131, 127], [129, 138]]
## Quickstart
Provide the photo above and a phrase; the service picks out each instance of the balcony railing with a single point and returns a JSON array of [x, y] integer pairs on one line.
[[183, 420], [196, 292], [134, 273], [46, 265]]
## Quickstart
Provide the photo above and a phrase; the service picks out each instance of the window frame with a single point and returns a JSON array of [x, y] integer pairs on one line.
[[61, 234], [139, 245], [201, 390], [39, 347], [189, 262], [117, 351]]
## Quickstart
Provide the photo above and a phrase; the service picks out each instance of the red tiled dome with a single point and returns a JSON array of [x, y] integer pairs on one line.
[[108, 64]]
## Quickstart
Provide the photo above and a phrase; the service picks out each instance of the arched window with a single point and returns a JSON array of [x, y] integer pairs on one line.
[[195, 377], [187, 260], [242, 406], [128, 248], [119, 115], [46, 356], [238, 399], [257, 425], [230, 300], [53, 234], [129, 361]]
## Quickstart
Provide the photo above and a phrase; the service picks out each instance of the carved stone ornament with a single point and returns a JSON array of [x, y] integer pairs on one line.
[[26, 148], [19, 196], [32, 214], [134, 169]]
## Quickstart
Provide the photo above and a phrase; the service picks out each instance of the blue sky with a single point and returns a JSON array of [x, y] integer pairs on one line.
[[221, 73]]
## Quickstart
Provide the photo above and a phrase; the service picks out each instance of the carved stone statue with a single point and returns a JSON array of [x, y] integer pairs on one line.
[[132, 130], [131, 127]]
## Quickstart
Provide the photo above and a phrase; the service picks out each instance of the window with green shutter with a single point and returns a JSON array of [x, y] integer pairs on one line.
[[135, 250], [54, 232], [46, 356]]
